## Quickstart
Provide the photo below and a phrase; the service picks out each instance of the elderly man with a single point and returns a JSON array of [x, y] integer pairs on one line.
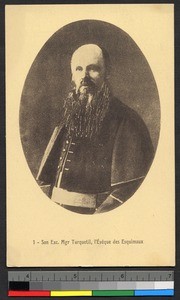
[[101, 151]]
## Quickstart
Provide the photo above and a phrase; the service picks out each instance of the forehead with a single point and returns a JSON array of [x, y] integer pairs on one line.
[[87, 55]]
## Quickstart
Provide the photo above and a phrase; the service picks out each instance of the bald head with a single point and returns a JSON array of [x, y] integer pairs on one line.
[[88, 65]]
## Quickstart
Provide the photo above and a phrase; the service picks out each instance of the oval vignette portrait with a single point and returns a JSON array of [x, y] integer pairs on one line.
[[89, 117]]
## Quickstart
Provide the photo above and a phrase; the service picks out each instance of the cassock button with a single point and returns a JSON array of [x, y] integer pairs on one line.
[[64, 150], [67, 142], [60, 158]]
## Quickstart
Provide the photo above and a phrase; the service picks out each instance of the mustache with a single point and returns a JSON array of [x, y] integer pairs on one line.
[[87, 82]]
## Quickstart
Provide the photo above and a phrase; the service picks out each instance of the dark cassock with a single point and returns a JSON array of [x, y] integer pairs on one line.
[[98, 155], [114, 163]]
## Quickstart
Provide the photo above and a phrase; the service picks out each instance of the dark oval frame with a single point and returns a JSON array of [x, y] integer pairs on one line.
[[49, 80]]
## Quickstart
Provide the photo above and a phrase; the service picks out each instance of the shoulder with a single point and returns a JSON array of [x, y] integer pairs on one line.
[[131, 126], [127, 117], [123, 111]]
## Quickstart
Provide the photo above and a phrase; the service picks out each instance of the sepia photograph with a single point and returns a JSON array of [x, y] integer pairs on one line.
[[90, 135], [90, 117]]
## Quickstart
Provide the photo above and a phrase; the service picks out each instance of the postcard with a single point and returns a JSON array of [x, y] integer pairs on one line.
[[90, 135]]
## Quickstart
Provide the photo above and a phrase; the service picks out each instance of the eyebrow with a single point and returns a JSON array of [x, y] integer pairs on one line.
[[93, 66], [89, 67]]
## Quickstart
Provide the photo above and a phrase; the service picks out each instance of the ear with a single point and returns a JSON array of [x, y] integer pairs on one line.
[[73, 86]]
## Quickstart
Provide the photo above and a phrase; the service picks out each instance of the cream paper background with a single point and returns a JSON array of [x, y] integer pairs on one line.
[[149, 214]]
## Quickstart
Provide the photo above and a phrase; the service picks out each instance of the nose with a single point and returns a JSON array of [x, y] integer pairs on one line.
[[85, 74], [85, 77]]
